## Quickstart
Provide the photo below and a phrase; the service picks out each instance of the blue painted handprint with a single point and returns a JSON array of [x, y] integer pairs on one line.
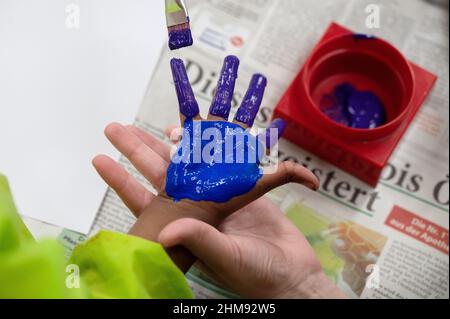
[[226, 179], [218, 174], [218, 160]]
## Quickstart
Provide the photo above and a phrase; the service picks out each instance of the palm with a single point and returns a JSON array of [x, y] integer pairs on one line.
[[215, 162], [265, 246]]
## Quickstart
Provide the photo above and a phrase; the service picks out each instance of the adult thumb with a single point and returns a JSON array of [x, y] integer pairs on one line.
[[205, 242]]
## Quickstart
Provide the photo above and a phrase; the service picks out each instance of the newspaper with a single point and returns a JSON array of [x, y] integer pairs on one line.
[[388, 242]]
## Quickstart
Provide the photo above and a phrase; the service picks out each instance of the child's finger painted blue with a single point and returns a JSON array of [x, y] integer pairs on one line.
[[217, 160]]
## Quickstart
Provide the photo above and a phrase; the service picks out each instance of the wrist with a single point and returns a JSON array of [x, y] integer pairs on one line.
[[163, 211]]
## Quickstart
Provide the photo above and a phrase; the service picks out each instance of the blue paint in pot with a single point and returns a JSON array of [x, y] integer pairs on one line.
[[362, 36], [366, 111], [215, 162], [334, 109], [353, 108]]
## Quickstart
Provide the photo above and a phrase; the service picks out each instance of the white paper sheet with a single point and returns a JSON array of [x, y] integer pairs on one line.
[[59, 87]]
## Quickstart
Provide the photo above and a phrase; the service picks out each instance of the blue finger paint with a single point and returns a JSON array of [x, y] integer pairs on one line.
[[353, 108], [186, 98], [246, 114], [221, 105], [279, 125], [215, 162], [180, 39]]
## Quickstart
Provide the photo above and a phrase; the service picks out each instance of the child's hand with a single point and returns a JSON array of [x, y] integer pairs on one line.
[[153, 159], [218, 161]]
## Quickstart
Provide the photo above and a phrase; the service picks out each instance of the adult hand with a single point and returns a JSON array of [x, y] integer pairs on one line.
[[256, 252]]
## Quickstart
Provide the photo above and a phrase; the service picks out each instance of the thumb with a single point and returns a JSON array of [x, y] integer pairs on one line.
[[205, 242], [289, 172]]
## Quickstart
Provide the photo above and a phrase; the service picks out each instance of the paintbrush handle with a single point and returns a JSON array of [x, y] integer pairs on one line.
[[176, 12]]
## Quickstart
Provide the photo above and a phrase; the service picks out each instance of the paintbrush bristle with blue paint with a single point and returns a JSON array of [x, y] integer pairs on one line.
[[180, 35]]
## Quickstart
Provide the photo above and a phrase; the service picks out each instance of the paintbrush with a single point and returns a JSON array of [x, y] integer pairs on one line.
[[177, 16]]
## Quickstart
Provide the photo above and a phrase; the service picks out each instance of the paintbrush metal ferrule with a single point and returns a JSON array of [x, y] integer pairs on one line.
[[176, 13]]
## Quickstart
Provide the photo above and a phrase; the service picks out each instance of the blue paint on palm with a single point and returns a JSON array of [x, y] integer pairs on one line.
[[215, 162]]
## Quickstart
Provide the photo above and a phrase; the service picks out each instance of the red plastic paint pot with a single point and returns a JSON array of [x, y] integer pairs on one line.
[[368, 64]]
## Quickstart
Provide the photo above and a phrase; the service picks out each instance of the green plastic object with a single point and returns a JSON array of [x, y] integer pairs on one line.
[[121, 266], [110, 265]]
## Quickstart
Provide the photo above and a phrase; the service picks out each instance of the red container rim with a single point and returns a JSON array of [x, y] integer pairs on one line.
[[354, 133]]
